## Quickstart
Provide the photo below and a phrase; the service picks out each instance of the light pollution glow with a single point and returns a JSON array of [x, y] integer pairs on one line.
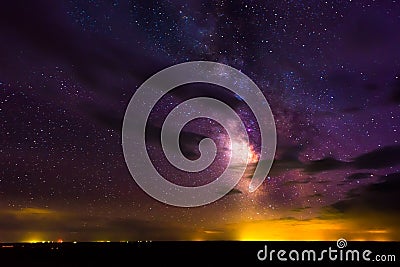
[[283, 229]]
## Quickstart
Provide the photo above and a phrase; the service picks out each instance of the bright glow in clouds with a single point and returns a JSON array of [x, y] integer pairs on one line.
[[248, 152], [249, 155]]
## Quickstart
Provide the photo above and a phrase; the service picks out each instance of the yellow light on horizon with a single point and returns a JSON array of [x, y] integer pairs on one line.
[[33, 241], [309, 230], [286, 230]]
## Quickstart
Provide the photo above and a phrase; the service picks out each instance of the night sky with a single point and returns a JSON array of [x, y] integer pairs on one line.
[[330, 71]]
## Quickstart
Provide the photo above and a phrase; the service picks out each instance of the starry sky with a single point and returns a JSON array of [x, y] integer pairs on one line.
[[330, 71]]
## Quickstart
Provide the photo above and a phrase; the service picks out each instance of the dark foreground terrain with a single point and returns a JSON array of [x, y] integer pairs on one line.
[[208, 253]]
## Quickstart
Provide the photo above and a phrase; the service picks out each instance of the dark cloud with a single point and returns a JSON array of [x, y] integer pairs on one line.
[[295, 182], [378, 197], [395, 94], [279, 166], [377, 159], [290, 153], [301, 209], [323, 182], [359, 176], [326, 164], [352, 193], [288, 159], [235, 191], [316, 195]]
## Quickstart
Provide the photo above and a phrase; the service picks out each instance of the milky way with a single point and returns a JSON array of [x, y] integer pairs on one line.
[[330, 71]]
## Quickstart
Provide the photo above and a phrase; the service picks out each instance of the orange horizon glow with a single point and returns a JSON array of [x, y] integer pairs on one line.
[[313, 230]]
